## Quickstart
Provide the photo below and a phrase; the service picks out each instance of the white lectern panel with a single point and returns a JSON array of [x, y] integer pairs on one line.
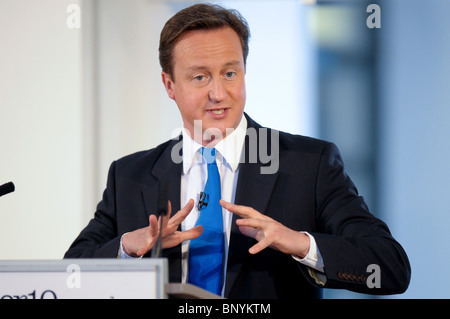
[[83, 278]]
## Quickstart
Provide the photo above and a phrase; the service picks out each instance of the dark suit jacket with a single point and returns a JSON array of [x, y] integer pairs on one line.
[[309, 192]]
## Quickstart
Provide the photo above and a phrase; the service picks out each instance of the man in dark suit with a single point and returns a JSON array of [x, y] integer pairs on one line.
[[293, 220]]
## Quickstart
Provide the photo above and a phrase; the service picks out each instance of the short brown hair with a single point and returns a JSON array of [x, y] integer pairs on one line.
[[199, 17]]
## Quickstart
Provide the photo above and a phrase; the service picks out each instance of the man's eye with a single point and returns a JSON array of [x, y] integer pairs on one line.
[[230, 74], [199, 78]]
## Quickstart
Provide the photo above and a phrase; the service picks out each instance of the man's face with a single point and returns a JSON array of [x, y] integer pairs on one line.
[[209, 81]]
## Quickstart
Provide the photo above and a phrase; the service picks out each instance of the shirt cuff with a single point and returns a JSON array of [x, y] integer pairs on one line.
[[121, 254], [313, 260]]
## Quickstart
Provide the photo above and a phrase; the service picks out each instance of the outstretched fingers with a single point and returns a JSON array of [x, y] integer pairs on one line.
[[240, 210], [180, 236], [171, 235]]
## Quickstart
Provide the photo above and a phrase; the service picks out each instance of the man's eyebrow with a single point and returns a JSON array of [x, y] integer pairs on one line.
[[201, 67], [196, 68], [232, 63]]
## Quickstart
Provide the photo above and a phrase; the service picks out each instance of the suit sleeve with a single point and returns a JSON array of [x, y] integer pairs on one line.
[[356, 247], [99, 239]]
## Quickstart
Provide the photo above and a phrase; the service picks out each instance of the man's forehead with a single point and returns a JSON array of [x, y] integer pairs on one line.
[[206, 43]]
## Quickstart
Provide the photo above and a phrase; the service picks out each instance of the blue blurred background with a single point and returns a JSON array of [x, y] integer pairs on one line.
[[73, 98]]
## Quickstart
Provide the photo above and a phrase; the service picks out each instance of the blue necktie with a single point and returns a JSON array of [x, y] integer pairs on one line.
[[206, 251]]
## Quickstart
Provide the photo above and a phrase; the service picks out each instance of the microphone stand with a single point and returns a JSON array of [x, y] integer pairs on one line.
[[163, 194], [157, 248]]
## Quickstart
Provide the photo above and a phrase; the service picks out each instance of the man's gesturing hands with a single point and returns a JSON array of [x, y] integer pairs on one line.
[[268, 232], [140, 241]]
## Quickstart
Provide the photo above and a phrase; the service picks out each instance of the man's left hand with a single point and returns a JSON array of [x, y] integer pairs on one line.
[[268, 232]]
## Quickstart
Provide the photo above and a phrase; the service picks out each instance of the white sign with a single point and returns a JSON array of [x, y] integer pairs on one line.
[[83, 278]]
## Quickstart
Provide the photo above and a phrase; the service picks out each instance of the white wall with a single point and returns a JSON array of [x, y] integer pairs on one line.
[[74, 100], [41, 125], [134, 112]]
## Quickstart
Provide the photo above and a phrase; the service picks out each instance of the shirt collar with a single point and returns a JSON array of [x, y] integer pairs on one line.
[[229, 148]]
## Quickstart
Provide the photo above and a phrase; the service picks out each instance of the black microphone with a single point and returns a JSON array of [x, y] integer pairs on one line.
[[7, 188], [163, 198], [203, 199]]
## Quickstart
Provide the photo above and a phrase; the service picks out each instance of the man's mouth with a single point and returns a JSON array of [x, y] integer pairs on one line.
[[219, 111]]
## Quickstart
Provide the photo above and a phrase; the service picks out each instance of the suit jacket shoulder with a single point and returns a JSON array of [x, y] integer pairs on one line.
[[142, 159], [129, 198]]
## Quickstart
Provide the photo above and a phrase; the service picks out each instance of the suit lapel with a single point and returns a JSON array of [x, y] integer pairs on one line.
[[253, 189], [164, 168]]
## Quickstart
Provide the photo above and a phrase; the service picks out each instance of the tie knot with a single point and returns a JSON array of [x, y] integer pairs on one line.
[[209, 154]]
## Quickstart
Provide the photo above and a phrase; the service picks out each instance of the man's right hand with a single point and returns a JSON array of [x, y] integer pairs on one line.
[[140, 241]]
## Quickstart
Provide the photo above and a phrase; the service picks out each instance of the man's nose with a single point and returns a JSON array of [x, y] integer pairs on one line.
[[217, 92]]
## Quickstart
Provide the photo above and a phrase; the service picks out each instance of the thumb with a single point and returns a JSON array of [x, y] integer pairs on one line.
[[153, 226]]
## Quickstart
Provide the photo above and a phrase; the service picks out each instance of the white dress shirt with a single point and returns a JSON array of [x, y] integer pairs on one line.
[[193, 180]]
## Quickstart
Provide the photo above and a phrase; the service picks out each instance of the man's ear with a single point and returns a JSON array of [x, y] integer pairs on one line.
[[168, 84]]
